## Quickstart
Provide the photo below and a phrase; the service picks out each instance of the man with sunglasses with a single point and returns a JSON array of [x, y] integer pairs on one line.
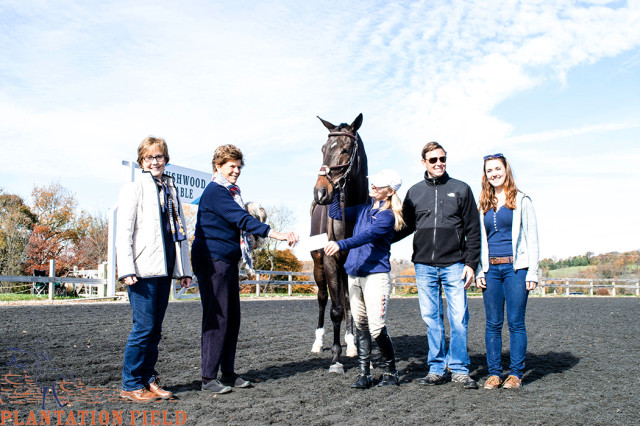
[[446, 251]]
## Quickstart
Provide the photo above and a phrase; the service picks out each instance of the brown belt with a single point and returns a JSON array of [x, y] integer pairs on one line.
[[501, 260]]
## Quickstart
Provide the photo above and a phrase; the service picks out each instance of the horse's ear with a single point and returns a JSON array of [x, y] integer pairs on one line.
[[328, 125], [356, 123]]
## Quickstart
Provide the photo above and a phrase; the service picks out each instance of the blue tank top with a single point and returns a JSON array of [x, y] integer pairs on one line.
[[498, 226]]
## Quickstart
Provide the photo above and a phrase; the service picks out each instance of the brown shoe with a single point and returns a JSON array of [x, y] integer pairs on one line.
[[512, 382], [493, 382], [154, 388], [140, 395]]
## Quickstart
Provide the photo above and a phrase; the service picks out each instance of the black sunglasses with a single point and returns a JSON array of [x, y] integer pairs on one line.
[[433, 160], [498, 155]]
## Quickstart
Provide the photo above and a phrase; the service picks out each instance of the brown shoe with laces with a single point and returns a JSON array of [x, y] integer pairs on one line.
[[493, 382], [139, 395], [512, 382], [154, 388]]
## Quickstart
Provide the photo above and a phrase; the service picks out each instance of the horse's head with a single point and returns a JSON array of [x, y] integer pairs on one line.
[[340, 159]]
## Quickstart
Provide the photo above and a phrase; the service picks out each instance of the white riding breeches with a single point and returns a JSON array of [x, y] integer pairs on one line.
[[369, 299]]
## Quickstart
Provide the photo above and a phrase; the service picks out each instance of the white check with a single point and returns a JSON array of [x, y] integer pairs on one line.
[[318, 242]]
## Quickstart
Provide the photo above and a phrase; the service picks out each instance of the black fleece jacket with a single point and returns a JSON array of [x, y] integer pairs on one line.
[[444, 215]]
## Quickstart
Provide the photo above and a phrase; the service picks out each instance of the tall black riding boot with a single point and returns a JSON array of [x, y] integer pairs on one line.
[[390, 374], [363, 342]]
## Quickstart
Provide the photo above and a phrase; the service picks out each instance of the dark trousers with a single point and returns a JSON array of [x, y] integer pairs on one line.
[[149, 298], [220, 298]]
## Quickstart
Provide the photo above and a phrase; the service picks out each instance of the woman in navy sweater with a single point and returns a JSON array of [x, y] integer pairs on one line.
[[221, 236], [368, 268]]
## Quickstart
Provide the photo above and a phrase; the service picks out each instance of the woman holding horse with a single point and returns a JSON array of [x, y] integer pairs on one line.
[[508, 267], [152, 248], [222, 230], [368, 268]]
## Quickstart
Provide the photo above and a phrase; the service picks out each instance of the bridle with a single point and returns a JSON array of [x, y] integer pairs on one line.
[[342, 180]]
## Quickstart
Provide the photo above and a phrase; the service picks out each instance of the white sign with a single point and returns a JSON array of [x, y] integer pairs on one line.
[[190, 183]]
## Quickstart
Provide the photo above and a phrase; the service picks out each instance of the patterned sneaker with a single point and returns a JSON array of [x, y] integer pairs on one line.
[[432, 379], [493, 382], [465, 379], [512, 382]]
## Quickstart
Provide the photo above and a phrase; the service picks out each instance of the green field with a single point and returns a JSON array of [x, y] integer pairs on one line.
[[569, 272]]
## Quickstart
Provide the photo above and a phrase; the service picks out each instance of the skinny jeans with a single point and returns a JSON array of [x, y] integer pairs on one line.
[[505, 287], [149, 298]]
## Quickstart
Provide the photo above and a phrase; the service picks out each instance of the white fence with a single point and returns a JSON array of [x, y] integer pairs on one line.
[[546, 286], [97, 287]]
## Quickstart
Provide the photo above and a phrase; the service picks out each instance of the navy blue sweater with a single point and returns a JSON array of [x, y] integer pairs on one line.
[[220, 220], [369, 248]]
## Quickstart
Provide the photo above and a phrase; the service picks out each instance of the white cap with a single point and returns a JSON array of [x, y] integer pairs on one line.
[[386, 177]]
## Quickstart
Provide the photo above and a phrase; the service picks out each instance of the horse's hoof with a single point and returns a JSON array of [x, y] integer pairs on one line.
[[316, 349], [336, 368], [351, 352]]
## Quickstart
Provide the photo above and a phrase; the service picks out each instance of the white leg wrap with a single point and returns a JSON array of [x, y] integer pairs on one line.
[[351, 345], [317, 344]]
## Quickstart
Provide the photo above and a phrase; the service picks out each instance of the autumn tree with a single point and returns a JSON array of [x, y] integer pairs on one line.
[[16, 223], [92, 240], [55, 230]]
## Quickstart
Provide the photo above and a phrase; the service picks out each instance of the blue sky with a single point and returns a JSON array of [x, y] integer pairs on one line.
[[554, 85]]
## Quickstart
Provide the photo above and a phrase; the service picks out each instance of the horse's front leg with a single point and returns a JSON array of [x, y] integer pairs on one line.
[[348, 336], [323, 296], [334, 282]]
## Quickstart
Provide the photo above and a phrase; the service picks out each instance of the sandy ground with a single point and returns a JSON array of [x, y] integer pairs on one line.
[[581, 367]]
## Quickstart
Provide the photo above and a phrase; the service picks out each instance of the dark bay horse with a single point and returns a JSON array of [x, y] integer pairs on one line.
[[343, 172]]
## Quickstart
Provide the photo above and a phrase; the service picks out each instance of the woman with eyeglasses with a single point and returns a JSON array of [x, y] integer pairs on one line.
[[508, 267], [368, 268], [152, 249]]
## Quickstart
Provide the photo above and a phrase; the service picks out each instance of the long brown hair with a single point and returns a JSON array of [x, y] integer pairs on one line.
[[488, 198]]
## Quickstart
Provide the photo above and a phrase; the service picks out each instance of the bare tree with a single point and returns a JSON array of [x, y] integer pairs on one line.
[[280, 218]]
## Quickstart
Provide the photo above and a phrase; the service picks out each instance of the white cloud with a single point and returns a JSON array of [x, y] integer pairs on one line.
[[81, 82]]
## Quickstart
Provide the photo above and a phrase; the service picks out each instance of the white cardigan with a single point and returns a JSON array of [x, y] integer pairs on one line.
[[139, 236], [524, 240]]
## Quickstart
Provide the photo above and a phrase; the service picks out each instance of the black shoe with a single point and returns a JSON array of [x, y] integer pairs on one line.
[[389, 379], [363, 381], [235, 381], [216, 387], [432, 379], [465, 379]]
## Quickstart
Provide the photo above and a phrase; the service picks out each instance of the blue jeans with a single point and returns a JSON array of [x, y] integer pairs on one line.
[[148, 298], [430, 280], [505, 285]]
